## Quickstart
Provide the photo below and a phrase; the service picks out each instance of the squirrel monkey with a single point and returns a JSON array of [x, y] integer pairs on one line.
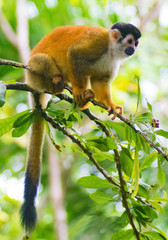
[[76, 55]]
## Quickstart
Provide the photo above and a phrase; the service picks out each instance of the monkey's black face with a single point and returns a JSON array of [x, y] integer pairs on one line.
[[129, 51], [130, 45]]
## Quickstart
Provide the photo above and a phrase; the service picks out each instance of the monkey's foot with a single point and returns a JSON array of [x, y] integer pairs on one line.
[[114, 110], [58, 83], [88, 94], [83, 98]]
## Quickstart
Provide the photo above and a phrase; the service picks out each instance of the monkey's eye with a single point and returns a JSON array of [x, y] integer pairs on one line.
[[130, 41], [136, 43]]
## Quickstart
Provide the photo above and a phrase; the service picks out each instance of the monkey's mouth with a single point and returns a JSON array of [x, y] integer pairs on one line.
[[129, 51]]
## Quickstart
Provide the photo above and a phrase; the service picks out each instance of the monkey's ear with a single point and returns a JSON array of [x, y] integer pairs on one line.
[[115, 35]]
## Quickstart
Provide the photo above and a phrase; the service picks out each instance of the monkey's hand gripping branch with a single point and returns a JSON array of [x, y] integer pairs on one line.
[[24, 87]]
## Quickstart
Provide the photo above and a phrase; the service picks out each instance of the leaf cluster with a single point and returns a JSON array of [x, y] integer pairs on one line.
[[136, 155]]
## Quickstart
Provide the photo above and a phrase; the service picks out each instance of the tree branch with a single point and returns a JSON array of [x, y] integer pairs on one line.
[[92, 117], [14, 64], [56, 125], [123, 193], [152, 14], [22, 30], [96, 103], [91, 158], [7, 30], [24, 87]]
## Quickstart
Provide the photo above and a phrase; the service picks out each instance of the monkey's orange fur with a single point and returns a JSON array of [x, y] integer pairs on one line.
[[55, 53], [78, 55]]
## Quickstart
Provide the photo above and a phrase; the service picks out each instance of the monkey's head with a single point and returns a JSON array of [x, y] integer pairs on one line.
[[125, 39]]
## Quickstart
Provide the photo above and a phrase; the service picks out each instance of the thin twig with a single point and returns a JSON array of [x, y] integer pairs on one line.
[[123, 193], [14, 64], [77, 141], [90, 156], [24, 87], [96, 103], [56, 125], [92, 117], [7, 30], [151, 143]]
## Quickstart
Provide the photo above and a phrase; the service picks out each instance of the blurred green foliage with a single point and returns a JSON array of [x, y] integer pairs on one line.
[[101, 215]]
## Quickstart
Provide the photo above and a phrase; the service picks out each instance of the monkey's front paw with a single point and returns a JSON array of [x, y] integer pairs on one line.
[[83, 98], [114, 110]]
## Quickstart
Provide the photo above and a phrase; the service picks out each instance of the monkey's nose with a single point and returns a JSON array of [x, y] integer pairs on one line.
[[129, 51]]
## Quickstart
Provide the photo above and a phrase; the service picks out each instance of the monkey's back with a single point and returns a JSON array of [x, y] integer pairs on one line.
[[57, 43]]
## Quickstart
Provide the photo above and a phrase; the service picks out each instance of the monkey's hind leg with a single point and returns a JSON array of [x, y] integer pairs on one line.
[[48, 77], [82, 98], [101, 89], [80, 90]]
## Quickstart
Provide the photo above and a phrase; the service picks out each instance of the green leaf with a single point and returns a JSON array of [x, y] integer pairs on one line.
[[130, 134], [22, 124], [160, 231], [102, 156], [143, 192], [18, 132], [100, 197], [59, 114], [22, 120], [145, 213], [51, 138], [79, 114], [69, 111], [111, 143], [119, 128], [2, 93], [142, 237], [158, 199], [152, 235], [148, 160], [73, 117], [123, 235], [149, 106], [97, 142], [145, 145], [119, 223], [126, 161], [135, 174], [145, 117], [139, 93], [160, 174], [94, 182], [6, 124], [157, 206], [162, 133], [138, 142]]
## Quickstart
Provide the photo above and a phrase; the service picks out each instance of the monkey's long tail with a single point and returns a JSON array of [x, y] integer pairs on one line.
[[28, 212]]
